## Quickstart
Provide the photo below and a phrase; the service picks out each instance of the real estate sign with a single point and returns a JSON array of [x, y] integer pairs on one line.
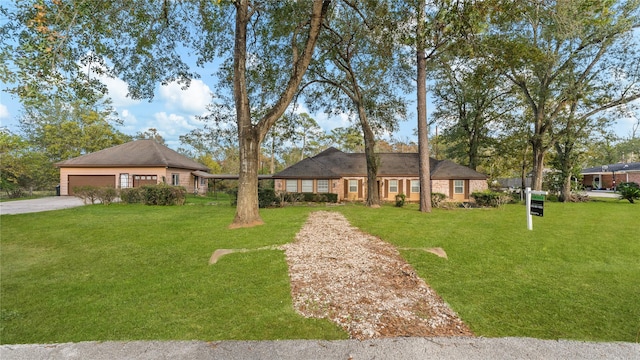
[[537, 205]]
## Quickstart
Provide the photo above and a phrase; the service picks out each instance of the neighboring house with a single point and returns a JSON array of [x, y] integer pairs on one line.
[[608, 176], [136, 163], [345, 174]]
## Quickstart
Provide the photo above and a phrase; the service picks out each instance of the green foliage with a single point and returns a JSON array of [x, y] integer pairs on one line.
[[87, 193], [131, 195], [491, 198], [400, 200], [437, 199], [267, 197], [629, 191], [163, 194]]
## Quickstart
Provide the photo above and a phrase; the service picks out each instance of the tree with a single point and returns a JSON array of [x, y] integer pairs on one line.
[[440, 25], [65, 130], [347, 139], [151, 134], [143, 43], [553, 51], [23, 168], [471, 101], [358, 74]]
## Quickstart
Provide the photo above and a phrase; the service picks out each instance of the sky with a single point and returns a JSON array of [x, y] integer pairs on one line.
[[173, 112]]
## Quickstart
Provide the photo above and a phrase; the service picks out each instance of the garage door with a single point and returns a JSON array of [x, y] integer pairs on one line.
[[91, 180]]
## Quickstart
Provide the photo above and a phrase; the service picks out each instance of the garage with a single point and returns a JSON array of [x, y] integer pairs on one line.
[[91, 180]]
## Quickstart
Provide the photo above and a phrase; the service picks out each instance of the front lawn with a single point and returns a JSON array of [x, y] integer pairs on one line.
[[127, 272], [575, 276]]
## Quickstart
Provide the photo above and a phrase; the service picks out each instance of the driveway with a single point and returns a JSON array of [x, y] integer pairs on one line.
[[38, 205]]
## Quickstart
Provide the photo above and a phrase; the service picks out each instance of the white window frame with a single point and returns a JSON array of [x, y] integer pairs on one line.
[[353, 186], [415, 186], [307, 186], [291, 185], [323, 186], [393, 186], [175, 179], [125, 181], [458, 186]]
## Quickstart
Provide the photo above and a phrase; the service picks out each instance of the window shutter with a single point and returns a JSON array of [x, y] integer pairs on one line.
[[360, 189], [450, 189], [346, 188]]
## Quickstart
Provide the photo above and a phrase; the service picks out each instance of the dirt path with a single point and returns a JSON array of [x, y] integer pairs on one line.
[[362, 283]]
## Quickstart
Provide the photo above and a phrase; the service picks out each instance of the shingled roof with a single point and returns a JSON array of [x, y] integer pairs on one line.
[[619, 167], [333, 164], [139, 153]]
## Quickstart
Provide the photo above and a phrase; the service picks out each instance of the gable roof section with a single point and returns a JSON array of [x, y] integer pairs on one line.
[[139, 153], [333, 163], [620, 167]]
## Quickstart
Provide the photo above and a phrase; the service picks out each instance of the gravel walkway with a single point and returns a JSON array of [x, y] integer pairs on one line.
[[362, 283]]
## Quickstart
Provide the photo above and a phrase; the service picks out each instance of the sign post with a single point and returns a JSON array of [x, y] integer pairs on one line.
[[535, 205]]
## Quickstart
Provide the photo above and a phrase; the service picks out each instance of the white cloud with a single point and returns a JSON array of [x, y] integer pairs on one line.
[[118, 89], [171, 125], [326, 122], [193, 100], [4, 112]]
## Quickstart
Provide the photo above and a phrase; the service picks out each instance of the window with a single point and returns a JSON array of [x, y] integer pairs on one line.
[[175, 179], [393, 186], [292, 185], [124, 181], [458, 186], [415, 186], [353, 186], [203, 181], [307, 186], [323, 186]]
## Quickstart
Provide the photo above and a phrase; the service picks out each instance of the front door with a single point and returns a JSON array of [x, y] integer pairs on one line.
[[596, 182]]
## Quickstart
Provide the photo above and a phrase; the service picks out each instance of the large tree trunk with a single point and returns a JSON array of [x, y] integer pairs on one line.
[[538, 165], [423, 130], [249, 135], [247, 213], [373, 195]]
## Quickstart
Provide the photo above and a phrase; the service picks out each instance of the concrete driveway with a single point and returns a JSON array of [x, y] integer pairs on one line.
[[38, 205]]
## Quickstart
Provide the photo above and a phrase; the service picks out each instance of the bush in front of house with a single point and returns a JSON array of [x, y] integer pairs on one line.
[[163, 194], [131, 195], [491, 198], [629, 191], [87, 193], [437, 199], [400, 200]]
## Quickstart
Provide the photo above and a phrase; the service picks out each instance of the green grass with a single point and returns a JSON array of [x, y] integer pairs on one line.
[[127, 272], [139, 272], [575, 276]]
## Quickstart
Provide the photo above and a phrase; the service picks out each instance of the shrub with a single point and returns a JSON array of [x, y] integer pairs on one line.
[[400, 199], [490, 198], [107, 195], [267, 198], [437, 199], [131, 195], [629, 191], [163, 194], [86, 193]]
